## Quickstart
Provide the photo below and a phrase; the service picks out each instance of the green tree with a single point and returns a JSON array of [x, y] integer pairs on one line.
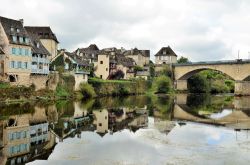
[[183, 60], [162, 84], [198, 84]]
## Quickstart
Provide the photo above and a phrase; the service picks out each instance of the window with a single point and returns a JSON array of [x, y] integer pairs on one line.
[[100, 124], [17, 30], [164, 52], [37, 45], [23, 52], [20, 51], [26, 40], [21, 39], [12, 64], [12, 29], [26, 52], [13, 50], [101, 62], [100, 76], [106, 69], [19, 64], [14, 38]]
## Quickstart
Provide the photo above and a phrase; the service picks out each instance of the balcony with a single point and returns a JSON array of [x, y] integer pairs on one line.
[[40, 60], [36, 70]]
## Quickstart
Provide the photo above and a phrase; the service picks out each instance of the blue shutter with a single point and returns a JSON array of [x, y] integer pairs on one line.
[[15, 64]]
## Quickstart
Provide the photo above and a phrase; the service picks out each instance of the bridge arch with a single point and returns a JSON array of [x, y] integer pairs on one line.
[[195, 71]]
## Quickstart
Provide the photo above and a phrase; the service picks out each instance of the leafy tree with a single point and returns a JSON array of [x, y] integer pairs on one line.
[[198, 84], [162, 84], [183, 60]]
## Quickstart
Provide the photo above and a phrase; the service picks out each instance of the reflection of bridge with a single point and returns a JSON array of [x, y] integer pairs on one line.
[[239, 118], [238, 70]]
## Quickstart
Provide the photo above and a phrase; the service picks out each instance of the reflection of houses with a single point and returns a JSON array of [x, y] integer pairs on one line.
[[25, 136], [101, 121], [164, 126]]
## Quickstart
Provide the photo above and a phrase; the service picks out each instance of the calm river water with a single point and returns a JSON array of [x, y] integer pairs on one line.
[[183, 129]]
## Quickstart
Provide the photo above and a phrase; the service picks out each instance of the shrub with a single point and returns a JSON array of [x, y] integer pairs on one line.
[[162, 84], [198, 84], [86, 91]]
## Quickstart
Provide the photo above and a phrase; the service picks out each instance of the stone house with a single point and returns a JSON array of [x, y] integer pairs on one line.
[[165, 56], [47, 38], [90, 53], [40, 62], [2, 56], [15, 43], [102, 66], [72, 64], [141, 57]]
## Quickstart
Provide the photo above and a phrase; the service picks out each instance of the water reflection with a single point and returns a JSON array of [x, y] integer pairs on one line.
[[154, 126]]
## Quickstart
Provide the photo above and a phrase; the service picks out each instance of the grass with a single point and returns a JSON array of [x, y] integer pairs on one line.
[[108, 81], [4, 85]]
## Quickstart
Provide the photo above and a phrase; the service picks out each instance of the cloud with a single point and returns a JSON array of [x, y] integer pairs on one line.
[[200, 29]]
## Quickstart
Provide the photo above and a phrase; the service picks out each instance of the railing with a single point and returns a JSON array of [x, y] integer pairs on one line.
[[34, 69], [40, 60], [238, 61]]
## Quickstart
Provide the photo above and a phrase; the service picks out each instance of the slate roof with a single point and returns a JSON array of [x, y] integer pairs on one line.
[[44, 32], [78, 60], [121, 59], [89, 51], [169, 52], [135, 51], [16, 24], [34, 39]]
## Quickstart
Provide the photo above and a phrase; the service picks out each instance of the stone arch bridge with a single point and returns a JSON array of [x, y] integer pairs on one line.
[[238, 70]]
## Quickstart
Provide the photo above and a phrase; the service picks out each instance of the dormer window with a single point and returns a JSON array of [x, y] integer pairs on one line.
[[12, 29], [37, 45], [164, 52], [17, 30]]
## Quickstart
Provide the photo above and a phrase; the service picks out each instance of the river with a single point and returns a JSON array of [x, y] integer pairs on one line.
[[181, 129]]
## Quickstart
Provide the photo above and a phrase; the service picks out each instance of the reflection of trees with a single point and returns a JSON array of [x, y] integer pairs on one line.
[[65, 108], [208, 103], [162, 106], [16, 109]]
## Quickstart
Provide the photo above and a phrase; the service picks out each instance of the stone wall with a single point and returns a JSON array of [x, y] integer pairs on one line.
[[39, 81], [80, 78], [242, 88]]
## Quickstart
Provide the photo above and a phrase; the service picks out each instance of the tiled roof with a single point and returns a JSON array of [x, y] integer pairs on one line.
[[44, 32], [135, 51], [168, 50], [90, 52], [121, 59], [10, 27], [34, 39]]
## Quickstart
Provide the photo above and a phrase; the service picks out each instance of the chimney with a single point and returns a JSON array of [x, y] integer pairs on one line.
[[21, 20]]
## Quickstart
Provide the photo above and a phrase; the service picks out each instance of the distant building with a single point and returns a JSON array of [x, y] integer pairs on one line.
[[15, 43], [47, 38], [72, 64], [90, 53], [141, 57], [165, 56], [102, 66]]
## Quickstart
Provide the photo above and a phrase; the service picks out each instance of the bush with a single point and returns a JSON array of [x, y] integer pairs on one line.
[[86, 91], [162, 84], [198, 84]]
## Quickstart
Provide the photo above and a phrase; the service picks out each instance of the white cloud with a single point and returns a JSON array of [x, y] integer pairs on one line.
[[199, 29]]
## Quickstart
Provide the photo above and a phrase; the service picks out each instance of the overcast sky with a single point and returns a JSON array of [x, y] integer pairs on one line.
[[198, 29]]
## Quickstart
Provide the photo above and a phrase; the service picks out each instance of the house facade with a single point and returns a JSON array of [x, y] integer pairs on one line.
[[15, 43], [47, 38], [102, 66], [72, 64], [165, 56], [89, 53], [141, 57]]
